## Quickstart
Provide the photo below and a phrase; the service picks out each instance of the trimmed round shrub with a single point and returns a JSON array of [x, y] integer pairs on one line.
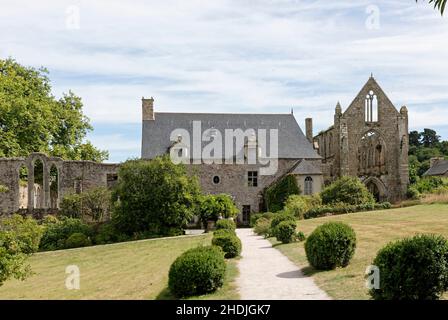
[[230, 244], [268, 215], [225, 224], [300, 236], [286, 231], [77, 240], [197, 271], [280, 217], [412, 269], [330, 245], [262, 226]]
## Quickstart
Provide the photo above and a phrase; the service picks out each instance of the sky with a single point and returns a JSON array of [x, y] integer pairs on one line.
[[230, 56]]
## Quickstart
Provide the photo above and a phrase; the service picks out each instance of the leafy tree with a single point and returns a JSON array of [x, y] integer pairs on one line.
[[414, 138], [33, 120], [429, 138], [156, 197], [214, 206]]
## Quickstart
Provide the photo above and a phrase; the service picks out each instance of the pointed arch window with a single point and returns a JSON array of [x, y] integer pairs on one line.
[[371, 107]]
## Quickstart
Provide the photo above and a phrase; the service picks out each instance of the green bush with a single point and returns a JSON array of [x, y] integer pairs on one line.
[[220, 232], [412, 269], [286, 231], [107, 233], [254, 218], [77, 240], [262, 226], [280, 217], [71, 206], [348, 190], [268, 215], [300, 236], [212, 207], [330, 245], [197, 271], [155, 196], [25, 231], [230, 244], [428, 184], [225, 224], [413, 193], [12, 260], [56, 234], [297, 205], [277, 194]]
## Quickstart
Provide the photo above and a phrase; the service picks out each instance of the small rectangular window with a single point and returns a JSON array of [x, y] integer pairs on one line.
[[252, 178]]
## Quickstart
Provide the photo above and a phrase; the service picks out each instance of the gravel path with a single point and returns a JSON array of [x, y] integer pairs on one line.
[[265, 273]]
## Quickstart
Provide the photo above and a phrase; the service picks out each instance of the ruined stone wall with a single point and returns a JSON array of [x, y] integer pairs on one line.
[[351, 126], [72, 176]]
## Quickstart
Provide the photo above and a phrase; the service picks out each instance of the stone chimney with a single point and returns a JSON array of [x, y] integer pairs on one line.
[[147, 109], [309, 129], [434, 160]]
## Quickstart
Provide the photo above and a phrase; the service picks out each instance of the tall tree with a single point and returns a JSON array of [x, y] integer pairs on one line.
[[33, 120], [414, 138], [429, 137]]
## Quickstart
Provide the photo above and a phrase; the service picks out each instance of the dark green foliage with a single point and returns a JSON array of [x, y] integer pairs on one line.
[[230, 244], [71, 206], [413, 193], [277, 194], [197, 271], [154, 197], [412, 269], [107, 233], [26, 232], [286, 231], [268, 215], [330, 245], [56, 234], [348, 190], [340, 208], [77, 240], [225, 224]]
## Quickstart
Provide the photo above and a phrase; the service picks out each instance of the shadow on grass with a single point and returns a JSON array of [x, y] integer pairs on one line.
[[165, 294]]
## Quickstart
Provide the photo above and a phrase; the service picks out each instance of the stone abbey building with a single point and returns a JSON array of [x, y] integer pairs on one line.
[[368, 140]]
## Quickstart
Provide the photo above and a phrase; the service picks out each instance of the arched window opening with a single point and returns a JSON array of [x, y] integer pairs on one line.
[[371, 107], [308, 186], [23, 187], [38, 187], [54, 187], [371, 152]]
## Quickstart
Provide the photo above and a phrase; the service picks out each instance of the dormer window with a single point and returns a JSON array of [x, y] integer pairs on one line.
[[371, 107]]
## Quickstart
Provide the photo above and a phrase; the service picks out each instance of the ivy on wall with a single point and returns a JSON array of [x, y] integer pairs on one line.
[[277, 194]]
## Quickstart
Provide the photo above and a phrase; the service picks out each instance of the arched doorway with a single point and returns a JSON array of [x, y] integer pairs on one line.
[[376, 188]]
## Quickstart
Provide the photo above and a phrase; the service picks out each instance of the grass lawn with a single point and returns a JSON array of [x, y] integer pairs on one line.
[[131, 270], [373, 230]]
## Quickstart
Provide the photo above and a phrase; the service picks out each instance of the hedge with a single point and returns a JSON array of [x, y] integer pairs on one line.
[[277, 194], [342, 208]]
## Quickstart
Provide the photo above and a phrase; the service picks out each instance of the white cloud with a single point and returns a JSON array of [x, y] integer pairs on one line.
[[233, 56]]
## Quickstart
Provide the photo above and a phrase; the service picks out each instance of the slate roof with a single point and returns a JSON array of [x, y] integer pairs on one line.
[[438, 169], [292, 142], [306, 167]]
